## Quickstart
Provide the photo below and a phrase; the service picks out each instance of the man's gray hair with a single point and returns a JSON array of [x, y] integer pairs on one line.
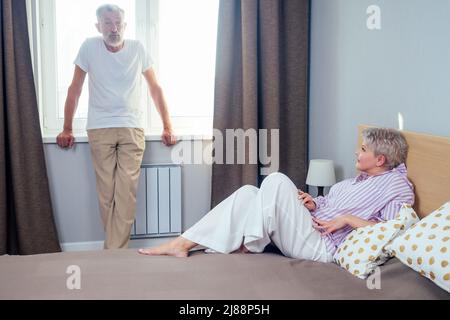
[[387, 142], [108, 8]]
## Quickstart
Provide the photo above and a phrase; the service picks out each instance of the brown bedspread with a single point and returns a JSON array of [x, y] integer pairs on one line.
[[123, 274]]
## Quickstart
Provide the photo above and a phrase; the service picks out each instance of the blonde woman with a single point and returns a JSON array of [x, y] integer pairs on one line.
[[298, 225]]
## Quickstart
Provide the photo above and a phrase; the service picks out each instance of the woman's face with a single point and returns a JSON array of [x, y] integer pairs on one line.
[[366, 161]]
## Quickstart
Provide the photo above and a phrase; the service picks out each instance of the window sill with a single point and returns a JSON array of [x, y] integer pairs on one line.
[[51, 139]]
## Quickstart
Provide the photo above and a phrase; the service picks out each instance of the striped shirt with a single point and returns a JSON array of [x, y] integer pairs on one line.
[[373, 198]]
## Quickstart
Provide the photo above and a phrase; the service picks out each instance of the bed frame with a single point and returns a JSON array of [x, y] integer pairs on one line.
[[428, 165]]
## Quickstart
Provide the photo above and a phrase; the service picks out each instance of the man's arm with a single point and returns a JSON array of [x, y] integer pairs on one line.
[[65, 139], [161, 105]]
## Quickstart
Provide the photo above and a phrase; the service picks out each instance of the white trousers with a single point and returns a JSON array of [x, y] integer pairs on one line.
[[256, 217]]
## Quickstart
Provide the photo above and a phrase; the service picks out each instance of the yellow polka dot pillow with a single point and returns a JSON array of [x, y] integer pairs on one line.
[[363, 249], [426, 247]]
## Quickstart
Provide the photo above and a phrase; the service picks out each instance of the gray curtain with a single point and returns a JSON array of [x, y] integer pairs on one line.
[[262, 83], [26, 216]]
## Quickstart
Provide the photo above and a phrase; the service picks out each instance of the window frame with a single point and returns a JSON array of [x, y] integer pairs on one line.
[[42, 27]]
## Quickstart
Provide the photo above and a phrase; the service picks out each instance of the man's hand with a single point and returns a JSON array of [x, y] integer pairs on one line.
[[327, 227], [307, 200], [168, 138], [65, 139]]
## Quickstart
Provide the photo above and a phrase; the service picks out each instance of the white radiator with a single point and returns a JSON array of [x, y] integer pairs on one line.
[[158, 208]]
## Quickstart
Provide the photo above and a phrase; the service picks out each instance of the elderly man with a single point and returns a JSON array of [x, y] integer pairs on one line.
[[114, 126]]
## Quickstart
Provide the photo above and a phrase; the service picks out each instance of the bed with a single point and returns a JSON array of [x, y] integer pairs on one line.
[[123, 274]]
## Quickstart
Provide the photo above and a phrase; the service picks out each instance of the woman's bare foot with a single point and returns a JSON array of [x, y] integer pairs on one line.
[[177, 248], [242, 249]]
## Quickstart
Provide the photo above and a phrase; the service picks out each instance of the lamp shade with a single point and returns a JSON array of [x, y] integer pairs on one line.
[[321, 173]]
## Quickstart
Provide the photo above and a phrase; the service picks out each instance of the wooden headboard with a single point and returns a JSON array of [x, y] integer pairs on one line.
[[428, 165]]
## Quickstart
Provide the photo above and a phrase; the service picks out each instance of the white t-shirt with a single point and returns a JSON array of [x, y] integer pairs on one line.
[[114, 83]]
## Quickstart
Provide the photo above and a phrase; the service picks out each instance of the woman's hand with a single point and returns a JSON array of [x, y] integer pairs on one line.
[[327, 227], [307, 200]]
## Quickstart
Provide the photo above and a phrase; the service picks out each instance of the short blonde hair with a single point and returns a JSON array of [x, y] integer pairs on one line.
[[387, 142], [108, 8]]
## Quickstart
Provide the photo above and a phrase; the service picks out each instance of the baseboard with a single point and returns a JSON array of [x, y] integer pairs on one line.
[[82, 246], [98, 245]]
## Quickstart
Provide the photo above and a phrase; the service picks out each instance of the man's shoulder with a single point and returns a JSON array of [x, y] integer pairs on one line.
[[91, 41], [134, 43]]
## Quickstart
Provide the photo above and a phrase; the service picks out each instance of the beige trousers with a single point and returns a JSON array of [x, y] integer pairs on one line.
[[117, 156]]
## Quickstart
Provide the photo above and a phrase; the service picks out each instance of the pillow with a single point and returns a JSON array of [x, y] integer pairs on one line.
[[362, 250], [426, 247]]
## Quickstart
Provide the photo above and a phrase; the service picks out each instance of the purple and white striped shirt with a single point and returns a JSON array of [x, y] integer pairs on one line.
[[375, 198]]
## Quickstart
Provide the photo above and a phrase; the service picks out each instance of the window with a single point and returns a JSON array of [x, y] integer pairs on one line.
[[179, 34]]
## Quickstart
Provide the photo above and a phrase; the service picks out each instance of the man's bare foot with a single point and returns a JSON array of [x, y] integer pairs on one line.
[[177, 248]]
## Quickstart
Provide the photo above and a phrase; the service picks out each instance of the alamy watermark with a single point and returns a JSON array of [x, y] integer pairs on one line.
[[373, 21], [73, 282], [241, 147], [374, 280]]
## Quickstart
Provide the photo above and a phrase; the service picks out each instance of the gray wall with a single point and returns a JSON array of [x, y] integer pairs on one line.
[[360, 76], [74, 198]]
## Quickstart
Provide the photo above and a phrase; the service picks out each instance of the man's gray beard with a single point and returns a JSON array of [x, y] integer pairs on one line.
[[114, 43]]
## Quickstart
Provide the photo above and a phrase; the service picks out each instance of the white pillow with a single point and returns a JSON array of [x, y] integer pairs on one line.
[[363, 249], [426, 247]]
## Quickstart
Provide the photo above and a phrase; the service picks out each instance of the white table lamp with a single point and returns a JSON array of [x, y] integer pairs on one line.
[[321, 174]]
